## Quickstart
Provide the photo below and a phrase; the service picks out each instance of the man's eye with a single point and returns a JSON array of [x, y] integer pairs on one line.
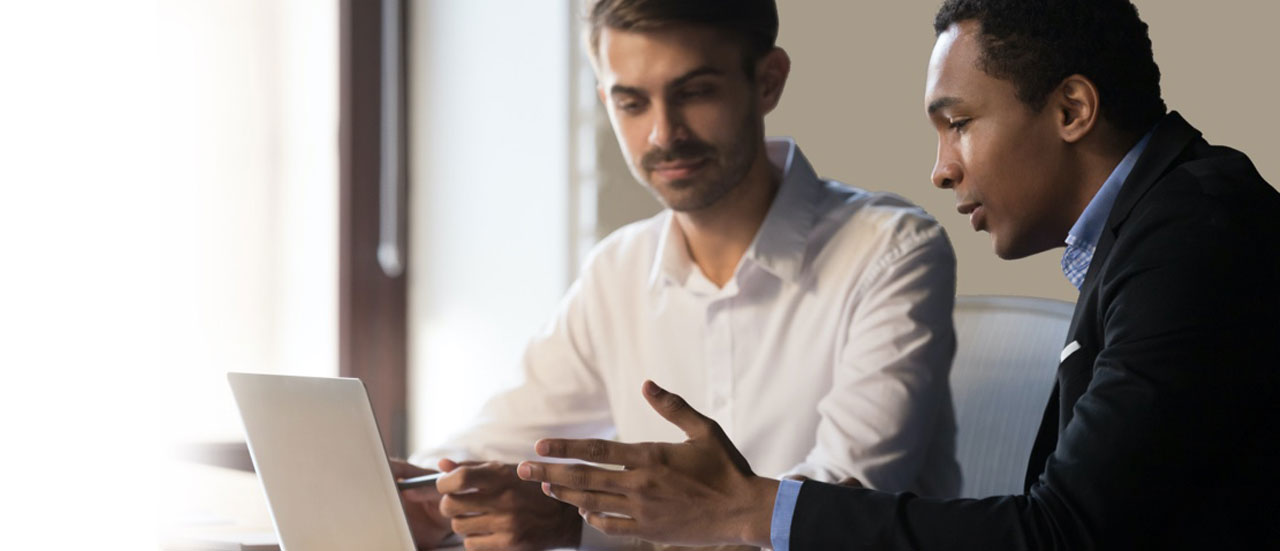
[[630, 106], [959, 124], [696, 92]]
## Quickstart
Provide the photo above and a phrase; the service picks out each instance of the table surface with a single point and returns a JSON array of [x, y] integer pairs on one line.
[[216, 503]]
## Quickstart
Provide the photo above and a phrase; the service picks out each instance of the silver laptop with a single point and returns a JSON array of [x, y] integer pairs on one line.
[[319, 456]]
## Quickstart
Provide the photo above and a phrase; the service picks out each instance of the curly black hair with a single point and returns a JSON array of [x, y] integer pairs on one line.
[[1036, 44]]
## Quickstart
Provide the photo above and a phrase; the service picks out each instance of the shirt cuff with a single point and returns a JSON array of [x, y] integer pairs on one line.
[[784, 507]]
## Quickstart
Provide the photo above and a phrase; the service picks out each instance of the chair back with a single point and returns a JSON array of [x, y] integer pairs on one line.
[[1006, 360]]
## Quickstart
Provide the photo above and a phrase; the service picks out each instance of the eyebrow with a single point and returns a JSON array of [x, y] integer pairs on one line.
[[677, 82], [943, 103], [700, 71]]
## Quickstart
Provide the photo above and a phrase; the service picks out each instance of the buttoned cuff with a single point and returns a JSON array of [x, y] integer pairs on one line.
[[784, 507]]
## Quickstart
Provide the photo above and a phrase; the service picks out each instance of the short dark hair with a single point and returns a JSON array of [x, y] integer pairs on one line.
[[754, 23], [1036, 44]]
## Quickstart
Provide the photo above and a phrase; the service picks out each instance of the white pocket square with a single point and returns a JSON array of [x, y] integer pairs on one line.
[[1068, 351]]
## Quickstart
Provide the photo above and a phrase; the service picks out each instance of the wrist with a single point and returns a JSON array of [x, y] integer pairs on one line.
[[755, 516]]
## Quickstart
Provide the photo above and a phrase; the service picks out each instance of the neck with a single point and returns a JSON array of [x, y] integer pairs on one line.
[[1096, 165], [719, 235]]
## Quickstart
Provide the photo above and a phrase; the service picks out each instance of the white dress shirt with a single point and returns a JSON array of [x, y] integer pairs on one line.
[[827, 354]]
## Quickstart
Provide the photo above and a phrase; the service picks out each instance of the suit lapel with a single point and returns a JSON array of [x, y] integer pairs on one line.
[[1172, 136]]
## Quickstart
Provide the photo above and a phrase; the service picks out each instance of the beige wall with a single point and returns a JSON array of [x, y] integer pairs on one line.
[[854, 103]]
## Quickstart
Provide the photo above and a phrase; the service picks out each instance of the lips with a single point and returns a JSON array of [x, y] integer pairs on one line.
[[678, 170], [976, 212]]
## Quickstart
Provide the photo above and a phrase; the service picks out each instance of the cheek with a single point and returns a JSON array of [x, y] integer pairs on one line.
[[718, 121], [632, 135], [707, 120], [1006, 171]]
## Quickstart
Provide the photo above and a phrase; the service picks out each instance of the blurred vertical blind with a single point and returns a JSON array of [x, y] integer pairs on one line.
[[251, 126]]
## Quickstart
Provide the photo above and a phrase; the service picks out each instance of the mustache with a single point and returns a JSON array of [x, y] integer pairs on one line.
[[679, 151]]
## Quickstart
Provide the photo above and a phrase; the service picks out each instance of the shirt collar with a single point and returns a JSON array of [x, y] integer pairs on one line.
[[779, 245], [1088, 227]]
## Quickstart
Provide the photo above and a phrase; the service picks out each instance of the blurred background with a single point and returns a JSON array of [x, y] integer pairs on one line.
[[397, 191]]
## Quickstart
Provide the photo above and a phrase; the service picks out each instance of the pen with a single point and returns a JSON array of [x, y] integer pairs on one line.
[[418, 481]]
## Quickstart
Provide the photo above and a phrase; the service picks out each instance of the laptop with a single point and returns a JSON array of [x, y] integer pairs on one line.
[[317, 450]]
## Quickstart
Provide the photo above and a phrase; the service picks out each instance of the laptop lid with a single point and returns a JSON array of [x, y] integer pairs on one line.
[[316, 447]]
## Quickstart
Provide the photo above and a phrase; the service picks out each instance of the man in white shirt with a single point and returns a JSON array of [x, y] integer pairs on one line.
[[811, 319]]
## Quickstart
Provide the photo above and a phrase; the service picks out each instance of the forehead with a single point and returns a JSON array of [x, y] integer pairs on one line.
[[954, 62], [652, 58]]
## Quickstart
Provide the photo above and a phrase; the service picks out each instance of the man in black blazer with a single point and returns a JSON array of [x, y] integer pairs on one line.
[[1163, 430]]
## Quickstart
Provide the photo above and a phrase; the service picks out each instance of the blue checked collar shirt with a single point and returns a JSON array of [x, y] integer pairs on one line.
[[1082, 240]]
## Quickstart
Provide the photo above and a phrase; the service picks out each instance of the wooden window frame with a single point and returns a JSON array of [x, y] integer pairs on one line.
[[373, 304], [372, 300]]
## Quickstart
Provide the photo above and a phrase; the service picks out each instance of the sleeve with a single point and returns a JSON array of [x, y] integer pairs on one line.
[[880, 420], [1154, 453], [784, 508], [561, 393]]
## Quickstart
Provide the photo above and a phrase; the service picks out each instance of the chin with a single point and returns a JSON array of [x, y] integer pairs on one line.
[[1004, 253], [1013, 250]]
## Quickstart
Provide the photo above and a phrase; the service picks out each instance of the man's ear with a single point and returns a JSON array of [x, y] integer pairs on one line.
[[771, 78], [1078, 107]]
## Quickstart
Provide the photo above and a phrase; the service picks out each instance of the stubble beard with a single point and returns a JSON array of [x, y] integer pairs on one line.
[[699, 193]]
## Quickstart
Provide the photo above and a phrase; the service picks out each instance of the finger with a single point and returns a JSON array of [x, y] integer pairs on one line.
[[424, 494], [600, 502], [578, 477], [480, 525], [675, 409], [447, 464], [476, 477], [595, 450], [403, 469], [612, 525], [457, 505], [503, 541]]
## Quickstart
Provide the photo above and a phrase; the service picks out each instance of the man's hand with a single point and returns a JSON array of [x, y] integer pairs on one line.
[[421, 507], [493, 509], [699, 492]]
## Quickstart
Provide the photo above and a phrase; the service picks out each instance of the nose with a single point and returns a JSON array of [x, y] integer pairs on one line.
[[668, 127], [947, 172]]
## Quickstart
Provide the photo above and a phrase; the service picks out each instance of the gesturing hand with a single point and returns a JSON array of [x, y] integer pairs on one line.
[[699, 492], [492, 509]]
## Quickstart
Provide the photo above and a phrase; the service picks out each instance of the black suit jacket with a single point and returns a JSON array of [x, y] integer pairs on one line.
[[1163, 430]]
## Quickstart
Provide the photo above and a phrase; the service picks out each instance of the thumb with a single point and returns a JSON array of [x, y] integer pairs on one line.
[[673, 408]]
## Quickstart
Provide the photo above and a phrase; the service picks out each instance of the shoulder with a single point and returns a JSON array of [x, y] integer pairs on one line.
[[628, 249], [1210, 202], [1206, 234], [1197, 258], [883, 225]]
